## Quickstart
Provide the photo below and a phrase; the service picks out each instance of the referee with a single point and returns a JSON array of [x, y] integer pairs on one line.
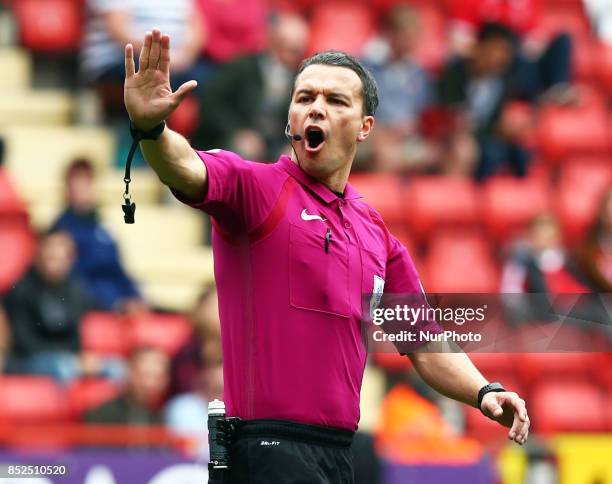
[[294, 249]]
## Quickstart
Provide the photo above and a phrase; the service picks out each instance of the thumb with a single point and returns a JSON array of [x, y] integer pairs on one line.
[[184, 90], [494, 408]]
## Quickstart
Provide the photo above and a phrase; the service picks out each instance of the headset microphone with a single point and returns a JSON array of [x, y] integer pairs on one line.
[[292, 137]]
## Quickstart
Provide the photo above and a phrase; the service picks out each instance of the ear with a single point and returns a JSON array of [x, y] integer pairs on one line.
[[366, 128]]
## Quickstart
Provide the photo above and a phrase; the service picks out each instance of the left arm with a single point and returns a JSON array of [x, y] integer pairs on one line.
[[454, 375]]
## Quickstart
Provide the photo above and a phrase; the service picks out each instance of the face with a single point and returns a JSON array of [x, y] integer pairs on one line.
[[327, 111], [494, 56], [288, 41], [545, 234], [149, 376], [80, 192], [55, 257]]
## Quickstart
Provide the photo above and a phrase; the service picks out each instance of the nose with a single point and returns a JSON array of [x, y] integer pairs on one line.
[[317, 109]]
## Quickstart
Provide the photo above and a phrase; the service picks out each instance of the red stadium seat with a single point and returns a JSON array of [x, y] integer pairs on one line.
[[458, 262], [494, 363], [87, 393], [432, 202], [31, 400], [104, 334], [582, 185], [604, 66], [50, 25], [167, 332], [565, 131], [11, 204], [567, 406], [185, 119], [383, 192], [17, 247], [341, 25], [511, 203], [567, 18]]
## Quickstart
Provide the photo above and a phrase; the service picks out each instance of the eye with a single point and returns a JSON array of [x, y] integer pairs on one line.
[[303, 99], [338, 101]]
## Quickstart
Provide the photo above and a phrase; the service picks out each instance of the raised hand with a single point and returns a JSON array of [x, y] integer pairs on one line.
[[148, 97], [508, 409]]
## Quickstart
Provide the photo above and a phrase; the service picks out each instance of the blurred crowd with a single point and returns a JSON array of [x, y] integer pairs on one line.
[[464, 108]]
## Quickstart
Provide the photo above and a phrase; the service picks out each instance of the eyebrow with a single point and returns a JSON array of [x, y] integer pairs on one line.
[[329, 94]]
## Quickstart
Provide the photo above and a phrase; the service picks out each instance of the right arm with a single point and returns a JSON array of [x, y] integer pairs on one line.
[[149, 100]]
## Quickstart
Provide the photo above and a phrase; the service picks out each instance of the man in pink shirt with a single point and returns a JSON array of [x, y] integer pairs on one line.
[[295, 249]]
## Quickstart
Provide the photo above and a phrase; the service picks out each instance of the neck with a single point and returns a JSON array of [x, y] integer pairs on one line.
[[335, 181]]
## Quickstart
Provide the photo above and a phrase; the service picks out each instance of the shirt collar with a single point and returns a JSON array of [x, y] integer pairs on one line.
[[324, 193]]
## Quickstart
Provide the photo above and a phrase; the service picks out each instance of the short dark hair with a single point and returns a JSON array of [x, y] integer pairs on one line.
[[494, 30], [369, 89], [79, 166]]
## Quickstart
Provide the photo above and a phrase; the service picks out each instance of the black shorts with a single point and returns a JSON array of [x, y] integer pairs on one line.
[[277, 452]]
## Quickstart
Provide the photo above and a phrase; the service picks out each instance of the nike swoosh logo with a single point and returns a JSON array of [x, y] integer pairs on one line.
[[307, 216]]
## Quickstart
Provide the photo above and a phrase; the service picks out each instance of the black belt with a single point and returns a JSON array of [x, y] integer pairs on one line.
[[282, 429]]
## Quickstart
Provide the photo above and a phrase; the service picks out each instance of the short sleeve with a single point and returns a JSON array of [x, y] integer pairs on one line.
[[404, 284], [235, 190]]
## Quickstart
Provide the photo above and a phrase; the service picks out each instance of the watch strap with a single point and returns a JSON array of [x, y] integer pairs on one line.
[[491, 387]]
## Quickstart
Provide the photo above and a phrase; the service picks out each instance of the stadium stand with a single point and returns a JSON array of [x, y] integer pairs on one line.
[[454, 228], [32, 399]]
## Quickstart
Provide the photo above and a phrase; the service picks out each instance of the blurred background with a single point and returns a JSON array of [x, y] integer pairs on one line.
[[491, 161]]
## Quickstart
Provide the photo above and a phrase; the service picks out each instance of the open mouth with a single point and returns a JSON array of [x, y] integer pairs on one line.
[[315, 138]]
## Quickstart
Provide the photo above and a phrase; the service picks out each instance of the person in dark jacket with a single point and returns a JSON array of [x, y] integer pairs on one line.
[[476, 90], [245, 105], [98, 265], [44, 309]]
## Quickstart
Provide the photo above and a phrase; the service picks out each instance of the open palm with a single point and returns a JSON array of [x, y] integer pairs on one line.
[[147, 93]]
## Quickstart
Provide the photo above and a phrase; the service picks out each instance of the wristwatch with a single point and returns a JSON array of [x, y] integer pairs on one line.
[[491, 387]]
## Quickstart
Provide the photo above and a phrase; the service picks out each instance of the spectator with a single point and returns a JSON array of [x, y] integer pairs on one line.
[[113, 23], [542, 61], [203, 349], [245, 106], [235, 28], [139, 404], [476, 91], [186, 414], [98, 265], [406, 91], [44, 309], [596, 252], [542, 265]]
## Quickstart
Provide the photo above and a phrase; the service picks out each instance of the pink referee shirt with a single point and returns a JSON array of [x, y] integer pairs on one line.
[[290, 310]]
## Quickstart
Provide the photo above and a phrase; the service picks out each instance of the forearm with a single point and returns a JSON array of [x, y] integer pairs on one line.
[[176, 163], [449, 373]]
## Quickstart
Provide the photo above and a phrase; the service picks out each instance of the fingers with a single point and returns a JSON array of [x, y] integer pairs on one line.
[[182, 91], [129, 61], [520, 425], [164, 57], [520, 430], [143, 62], [155, 51]]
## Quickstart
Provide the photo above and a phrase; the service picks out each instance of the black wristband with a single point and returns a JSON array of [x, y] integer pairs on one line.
[[152, 134], [491, 387]]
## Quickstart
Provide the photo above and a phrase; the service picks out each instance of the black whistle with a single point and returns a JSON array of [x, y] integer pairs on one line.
[[128, 211]]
